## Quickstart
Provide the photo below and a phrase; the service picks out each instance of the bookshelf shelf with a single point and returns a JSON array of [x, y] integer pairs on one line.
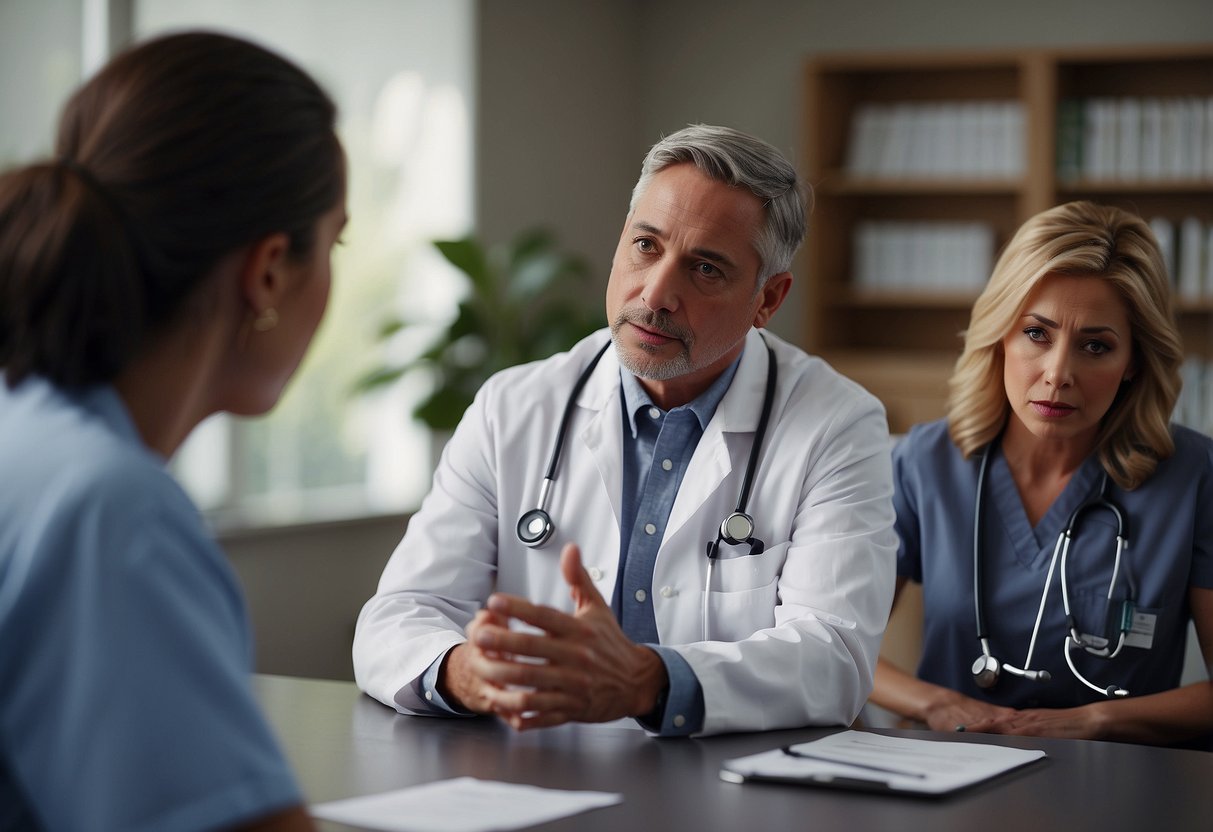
[[889, 145], [1136, 186], [883, 298], [844, 184]]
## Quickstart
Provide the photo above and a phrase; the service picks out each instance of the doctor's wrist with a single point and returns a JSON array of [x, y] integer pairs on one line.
[[652, 685]]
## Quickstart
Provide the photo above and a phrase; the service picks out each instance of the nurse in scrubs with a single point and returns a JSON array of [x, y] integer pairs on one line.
[[1059, 422]]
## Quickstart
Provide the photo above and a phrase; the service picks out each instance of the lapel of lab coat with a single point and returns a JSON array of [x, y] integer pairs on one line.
[[603, 434], [737, 412]]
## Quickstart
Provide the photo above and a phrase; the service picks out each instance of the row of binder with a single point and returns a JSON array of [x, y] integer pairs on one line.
[[927, 256], [1130, 139], [1187, 250], [941, 139]]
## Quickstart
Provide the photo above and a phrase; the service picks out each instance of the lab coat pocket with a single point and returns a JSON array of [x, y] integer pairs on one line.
[[743, 596]]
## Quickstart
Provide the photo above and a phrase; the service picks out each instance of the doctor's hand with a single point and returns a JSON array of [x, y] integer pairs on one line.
[[580, 668]]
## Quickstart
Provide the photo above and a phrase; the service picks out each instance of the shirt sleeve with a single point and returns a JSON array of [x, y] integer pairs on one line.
[[131, 689], [430, 694], [681, 714], [905, 505], [1202, 540]]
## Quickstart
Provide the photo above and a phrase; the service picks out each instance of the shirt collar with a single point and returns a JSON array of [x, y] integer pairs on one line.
[[103, 401], [636, 398]]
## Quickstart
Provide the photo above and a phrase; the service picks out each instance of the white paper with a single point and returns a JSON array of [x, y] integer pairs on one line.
[[858, 759], [462, 804]]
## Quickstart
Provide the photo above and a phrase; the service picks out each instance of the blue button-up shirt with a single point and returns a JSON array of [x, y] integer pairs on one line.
[[657, 448]]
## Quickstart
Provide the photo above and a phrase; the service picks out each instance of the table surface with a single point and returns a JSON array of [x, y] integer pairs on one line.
[[343, 744]]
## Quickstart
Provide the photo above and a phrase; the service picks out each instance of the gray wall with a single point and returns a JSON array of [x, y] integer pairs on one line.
[[305, 586], [571, 94]]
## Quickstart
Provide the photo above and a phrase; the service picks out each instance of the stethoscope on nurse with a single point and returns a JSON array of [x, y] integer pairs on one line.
[[535, 527], [986, 668]]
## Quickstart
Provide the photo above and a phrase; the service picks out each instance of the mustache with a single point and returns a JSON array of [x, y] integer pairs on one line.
[[658, 322]]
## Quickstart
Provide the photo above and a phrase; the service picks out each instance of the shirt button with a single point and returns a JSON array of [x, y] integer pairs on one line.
[[429, 696], [654, 413], [667, 592], [680, 721], [595, 573], [666, 464], [649, 528], [640, 595]]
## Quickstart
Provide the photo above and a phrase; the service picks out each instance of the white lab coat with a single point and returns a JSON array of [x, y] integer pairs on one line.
[[795, 631]]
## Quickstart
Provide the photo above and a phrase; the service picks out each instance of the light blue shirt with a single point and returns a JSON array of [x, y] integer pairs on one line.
[[1170, 525], [125, 653]]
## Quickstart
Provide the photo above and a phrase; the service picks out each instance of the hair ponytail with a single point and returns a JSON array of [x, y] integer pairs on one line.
[[71, 303], [180, 151]]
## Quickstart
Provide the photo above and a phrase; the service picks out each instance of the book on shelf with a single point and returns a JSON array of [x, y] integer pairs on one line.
[[1192, 235], [1164, 233]]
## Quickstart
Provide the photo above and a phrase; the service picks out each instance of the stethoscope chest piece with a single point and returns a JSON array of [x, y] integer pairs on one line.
[[737, 528], [985, 671], [535, 528]]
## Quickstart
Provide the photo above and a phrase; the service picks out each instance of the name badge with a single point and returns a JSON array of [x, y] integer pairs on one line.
[[1141, 632]]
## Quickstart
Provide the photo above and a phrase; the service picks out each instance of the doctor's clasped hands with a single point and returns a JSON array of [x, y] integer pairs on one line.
[[580, 667]]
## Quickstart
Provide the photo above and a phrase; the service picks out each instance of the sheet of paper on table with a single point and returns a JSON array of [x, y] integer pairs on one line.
[[462, 804]]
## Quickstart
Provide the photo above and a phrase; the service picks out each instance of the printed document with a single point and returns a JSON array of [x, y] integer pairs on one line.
[[874, 762]]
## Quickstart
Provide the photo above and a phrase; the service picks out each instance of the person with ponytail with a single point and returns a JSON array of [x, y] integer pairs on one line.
[[170, 261], [1058, 523]]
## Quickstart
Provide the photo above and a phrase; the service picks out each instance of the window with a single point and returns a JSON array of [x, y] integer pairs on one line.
[[401, 74]]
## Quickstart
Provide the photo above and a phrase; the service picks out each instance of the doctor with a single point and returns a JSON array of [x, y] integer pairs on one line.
[[608, 617]]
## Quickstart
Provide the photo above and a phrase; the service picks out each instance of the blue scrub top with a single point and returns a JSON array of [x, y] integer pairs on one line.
[[125, 651], [1170, 524]]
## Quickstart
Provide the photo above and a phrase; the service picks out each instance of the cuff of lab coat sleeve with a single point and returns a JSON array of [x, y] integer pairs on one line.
[[429, 690], [681, 713]]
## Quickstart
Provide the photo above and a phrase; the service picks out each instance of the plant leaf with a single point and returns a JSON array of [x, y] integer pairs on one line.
[[378, 377], [469, 257]]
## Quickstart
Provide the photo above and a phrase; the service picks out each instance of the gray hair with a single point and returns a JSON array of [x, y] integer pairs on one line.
[[740, 160]]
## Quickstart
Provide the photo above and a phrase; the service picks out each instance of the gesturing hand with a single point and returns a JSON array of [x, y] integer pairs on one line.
[[581, 667]]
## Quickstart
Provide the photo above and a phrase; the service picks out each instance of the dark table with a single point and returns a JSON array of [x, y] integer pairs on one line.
[[343, 744]]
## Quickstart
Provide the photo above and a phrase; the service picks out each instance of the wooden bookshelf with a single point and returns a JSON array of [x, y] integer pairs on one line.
[[901, 343]]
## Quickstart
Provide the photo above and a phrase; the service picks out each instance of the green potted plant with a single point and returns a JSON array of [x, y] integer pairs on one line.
[[525, 300]]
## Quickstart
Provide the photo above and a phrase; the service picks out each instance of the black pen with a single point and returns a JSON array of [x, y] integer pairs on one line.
[[791, 752]]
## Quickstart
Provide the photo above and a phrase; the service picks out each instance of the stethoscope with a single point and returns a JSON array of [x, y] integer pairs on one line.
[[986, 667], [535, 527]]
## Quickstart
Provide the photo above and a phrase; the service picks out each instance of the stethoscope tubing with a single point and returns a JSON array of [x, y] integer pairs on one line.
[[540, 515]]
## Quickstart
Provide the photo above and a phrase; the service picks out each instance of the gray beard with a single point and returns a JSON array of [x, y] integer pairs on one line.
[[644, 366]]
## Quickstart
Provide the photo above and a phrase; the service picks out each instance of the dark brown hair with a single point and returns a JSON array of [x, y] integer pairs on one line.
[[180, 151]]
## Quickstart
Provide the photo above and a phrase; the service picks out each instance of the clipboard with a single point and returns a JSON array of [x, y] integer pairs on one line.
[[863, 761]]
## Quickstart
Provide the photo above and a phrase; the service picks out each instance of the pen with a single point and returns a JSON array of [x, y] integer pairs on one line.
[[791, 752]]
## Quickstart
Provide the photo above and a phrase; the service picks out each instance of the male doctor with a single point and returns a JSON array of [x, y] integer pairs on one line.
[[621, 612]]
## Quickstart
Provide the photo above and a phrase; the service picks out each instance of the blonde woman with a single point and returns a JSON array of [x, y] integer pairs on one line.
[[1060, 526]]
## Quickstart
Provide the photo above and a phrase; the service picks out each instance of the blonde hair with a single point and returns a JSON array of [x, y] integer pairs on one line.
[[1101, 242]]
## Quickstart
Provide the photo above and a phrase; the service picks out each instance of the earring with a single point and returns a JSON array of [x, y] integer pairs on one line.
[[266, 321]]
